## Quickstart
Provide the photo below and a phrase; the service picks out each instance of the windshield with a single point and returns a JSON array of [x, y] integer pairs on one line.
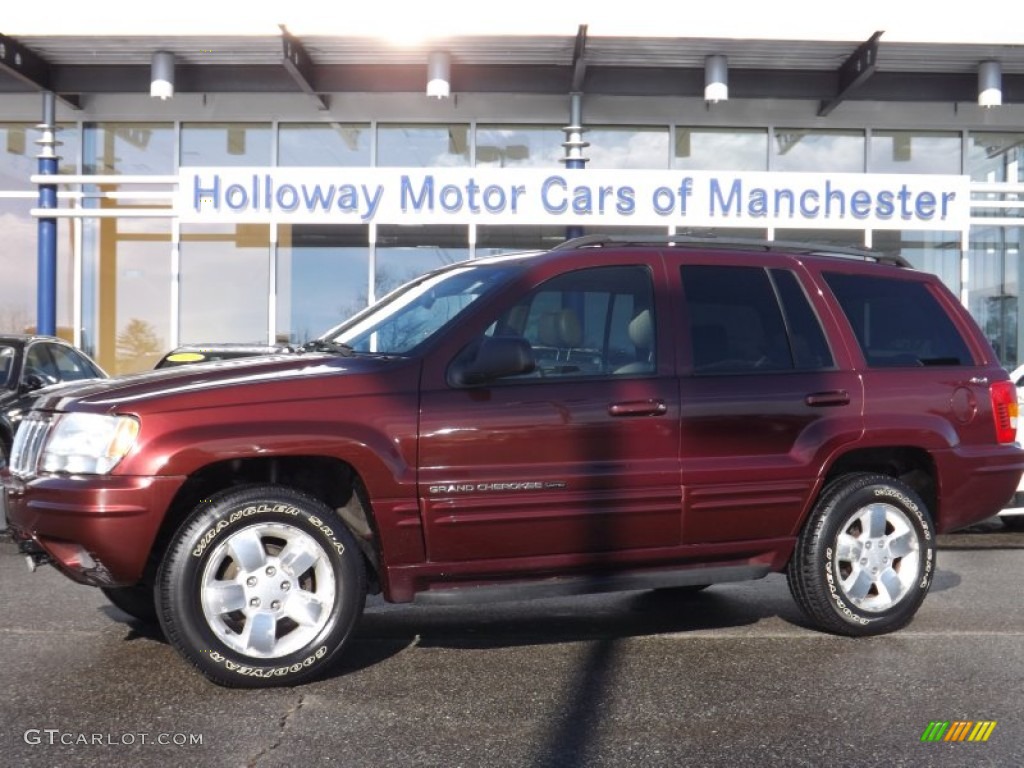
[[6, 364], [412, 314]]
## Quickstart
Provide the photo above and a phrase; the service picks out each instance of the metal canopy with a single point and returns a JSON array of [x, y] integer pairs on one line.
[[819, 70], [21, 64]]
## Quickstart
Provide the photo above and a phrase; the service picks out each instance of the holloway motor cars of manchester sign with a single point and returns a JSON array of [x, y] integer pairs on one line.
[[573, 197]]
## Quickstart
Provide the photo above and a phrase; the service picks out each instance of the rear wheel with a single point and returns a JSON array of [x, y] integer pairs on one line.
[[261, 587], [865, 559]]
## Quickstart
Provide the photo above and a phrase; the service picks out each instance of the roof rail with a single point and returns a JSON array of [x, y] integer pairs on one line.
[[823, 248]]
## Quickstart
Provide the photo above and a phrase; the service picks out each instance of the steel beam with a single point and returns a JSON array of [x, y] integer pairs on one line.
[[579, 60], [299, 65], [30, 68], [854, 72]]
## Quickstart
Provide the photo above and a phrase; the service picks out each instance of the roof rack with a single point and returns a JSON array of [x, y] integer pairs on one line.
[[806, 248]]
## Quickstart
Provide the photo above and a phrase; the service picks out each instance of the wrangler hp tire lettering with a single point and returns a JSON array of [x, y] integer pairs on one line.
[[261, 587], [866, 556]]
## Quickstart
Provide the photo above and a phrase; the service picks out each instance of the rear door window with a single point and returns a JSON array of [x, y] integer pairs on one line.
[[806, 337], [736, 324], [898, 323]]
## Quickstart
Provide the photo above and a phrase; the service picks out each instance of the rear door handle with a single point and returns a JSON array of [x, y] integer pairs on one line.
[[638, 408], [826, 399]]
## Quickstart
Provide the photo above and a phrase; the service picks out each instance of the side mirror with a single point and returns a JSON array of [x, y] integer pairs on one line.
[[491, 358], [33, 381]]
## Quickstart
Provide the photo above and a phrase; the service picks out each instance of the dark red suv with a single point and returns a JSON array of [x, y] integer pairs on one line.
[[606, 415]]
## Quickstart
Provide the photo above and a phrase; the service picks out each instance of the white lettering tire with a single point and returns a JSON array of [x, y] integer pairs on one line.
[[865, 558], [261, 586]]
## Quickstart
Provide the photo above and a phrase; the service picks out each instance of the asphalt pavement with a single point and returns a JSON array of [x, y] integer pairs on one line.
[[728, 677]]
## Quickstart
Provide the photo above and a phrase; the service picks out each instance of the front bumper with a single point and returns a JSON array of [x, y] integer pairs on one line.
[[97, 530]]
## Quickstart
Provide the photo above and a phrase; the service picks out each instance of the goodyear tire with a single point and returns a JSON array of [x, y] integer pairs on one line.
[[865, 559], [261, 586]]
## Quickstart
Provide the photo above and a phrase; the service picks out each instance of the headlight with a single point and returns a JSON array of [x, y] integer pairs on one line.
[[89, 443]]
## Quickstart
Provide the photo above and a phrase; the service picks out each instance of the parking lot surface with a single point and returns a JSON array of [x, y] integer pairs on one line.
[[727, 677]]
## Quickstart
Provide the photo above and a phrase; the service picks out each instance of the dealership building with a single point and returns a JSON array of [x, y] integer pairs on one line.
[[161, 187]]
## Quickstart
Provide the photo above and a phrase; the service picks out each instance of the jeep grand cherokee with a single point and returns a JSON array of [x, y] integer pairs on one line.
[[606, 415]]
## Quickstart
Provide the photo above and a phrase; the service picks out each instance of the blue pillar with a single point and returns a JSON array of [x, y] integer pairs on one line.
[[574, 146], [46, 290]]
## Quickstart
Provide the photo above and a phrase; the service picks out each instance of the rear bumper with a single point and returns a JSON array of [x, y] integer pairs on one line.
[[97, 530], [977, 484]]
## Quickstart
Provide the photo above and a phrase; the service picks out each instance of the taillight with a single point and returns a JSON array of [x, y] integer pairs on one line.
[[1004, 409]]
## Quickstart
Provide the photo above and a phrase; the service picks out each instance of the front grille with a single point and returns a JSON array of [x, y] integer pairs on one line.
[[29, 442]]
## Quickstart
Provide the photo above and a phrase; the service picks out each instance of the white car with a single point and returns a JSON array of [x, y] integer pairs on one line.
[[1013, 515]]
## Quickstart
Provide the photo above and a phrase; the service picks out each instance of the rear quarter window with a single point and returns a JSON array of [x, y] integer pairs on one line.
[[898, 323]]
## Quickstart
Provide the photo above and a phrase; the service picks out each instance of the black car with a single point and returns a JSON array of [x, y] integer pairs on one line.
[[29, 363], [205, 353]]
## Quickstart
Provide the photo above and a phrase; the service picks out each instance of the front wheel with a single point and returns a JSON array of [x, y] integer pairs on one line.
[[865, 559], [261, 587]]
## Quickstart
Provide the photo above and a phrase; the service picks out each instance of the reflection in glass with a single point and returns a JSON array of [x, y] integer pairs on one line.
[[18, 279], [522, 146], [19, 151], [323, 144], [128, 148], [226, 144], [842, 238], [721, 149], [914, 152], [422, 146], [996, 157], [404, 253], [994, 289], [491, 241], [225, 282], [802, 149], [628, 147], [323, 277], [412, 315], [126, 296], [935, 252]]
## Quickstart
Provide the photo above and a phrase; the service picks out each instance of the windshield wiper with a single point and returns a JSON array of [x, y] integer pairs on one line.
[[324, 345]]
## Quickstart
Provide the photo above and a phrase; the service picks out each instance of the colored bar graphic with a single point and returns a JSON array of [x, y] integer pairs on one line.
[[982, 730], [958, 730], [935, 731]]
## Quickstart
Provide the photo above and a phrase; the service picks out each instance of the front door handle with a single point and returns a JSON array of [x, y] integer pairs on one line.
[[638, 408], [825, 399]]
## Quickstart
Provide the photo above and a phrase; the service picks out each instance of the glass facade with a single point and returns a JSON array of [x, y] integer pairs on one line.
[[225, 279], [423, 146], [133, 287], [323, 276], [914, 152], [18, 262], [628, 147], [510, 146], [319, 144], [799, 149], [721, 149]]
